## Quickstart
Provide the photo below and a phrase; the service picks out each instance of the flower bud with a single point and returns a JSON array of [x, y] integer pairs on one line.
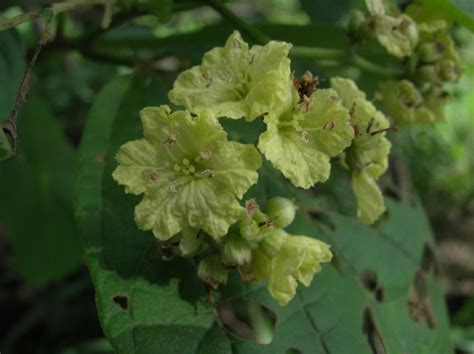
[[259, 268], [281, 211], [236, 251], [212, 271], [448, 70], [408, 28], [430, 52], [427, 74], [6, 150], [249, 229], [190, 243], [356, 22], [408, 95], [271, 244]]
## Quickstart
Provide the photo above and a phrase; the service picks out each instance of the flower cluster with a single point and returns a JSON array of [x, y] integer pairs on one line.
[[193, 178], [259, 248], [429, 59]]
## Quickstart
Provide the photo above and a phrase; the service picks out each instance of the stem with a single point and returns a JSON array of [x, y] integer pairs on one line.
[[56, 9], [316, 53], [257, 35], [367, 65], [342, 56]]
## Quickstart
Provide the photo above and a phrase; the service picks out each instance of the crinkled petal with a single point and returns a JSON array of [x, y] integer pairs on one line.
[[236, 81], [190, 173], [301, 163], [369, 197], [375, 7], [137, 166], [234, 166], [347, 90], [390, 36], [298, 260], [301, 143]]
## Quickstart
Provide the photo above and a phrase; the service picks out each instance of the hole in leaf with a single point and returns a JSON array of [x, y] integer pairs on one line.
[[293, 351], [372, 334], [247, 320], [369, 279], [428, 261], [122, 301], [419, 303]]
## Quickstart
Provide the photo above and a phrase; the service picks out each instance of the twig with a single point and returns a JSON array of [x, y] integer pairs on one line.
[[55, 9], [252, 32], [9, 126]]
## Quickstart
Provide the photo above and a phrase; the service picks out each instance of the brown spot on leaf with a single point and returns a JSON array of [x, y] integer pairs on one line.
[[419, 303]]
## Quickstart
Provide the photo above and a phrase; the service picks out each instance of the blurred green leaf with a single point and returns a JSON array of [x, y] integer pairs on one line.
[[12, 66], [35, 203], [323, 11], [460, 11]]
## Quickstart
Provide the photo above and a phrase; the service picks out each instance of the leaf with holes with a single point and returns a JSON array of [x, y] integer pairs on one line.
[[380, 295], [144, 302]]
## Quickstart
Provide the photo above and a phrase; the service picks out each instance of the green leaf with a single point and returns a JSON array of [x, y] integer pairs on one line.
[[461, 11], [144, 302], [376, 270], [35, 203], [162, 9], [12, 66]]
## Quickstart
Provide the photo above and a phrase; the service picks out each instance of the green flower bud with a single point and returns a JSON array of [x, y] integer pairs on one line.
[[448, 70], [249, 229], [357, 21], [430, 52], [409, 30], [427, 74], [281, 211], [6, 150], [271, 244], [408, 95], [260, 267], [237, 251], [212, 271], [190, 243]]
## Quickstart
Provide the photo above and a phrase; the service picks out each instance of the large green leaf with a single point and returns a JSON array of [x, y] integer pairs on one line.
[[35, 198], [144, 303], [366, 300]]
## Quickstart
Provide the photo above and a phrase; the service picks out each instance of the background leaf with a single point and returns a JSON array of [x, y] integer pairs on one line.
[[35, 204]]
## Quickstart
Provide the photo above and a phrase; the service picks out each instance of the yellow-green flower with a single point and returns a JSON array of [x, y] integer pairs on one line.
[[367, 157], [236, 81], [301, 141], [396, 33], [300, 257], [188, 171]]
